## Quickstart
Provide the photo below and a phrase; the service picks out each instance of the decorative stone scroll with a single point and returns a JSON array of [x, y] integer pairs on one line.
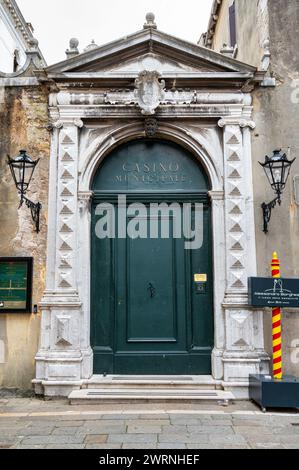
[[128, 97], [84, 198]]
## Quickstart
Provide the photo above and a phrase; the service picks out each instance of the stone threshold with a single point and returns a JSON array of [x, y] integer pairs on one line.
[[152, 381], [147, 395]]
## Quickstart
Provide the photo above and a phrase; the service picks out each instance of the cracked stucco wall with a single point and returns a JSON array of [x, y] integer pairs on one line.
[[23, 117], [276, 114]]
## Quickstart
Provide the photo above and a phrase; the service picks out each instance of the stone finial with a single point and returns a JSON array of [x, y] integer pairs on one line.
[[227, 50], [266, 45], [150, 21], [266, 55], [91, 46], [33, 44], [34, 60], [73, 48], [74, 43]]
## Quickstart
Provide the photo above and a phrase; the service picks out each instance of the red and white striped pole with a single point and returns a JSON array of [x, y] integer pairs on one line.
[[276, 326]]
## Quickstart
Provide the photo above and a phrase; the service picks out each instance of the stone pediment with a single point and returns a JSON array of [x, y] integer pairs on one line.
[[148, 49], [152, 62]]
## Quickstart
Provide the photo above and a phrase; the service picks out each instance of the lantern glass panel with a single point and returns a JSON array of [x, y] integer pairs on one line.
[[277, 174], [28, 173], [19, 173], [277, 171], [268, 171], [286, 173], [22, 168]]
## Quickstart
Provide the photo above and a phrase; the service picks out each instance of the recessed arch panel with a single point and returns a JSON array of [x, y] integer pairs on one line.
[[167, 167]]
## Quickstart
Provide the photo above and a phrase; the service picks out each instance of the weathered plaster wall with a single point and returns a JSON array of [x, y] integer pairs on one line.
[[252, 30], [276, 113], [221, 35], [251, 27], [23, 117]]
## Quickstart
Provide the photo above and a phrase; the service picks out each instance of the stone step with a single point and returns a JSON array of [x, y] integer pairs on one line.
[[147, 395], [152, 382]]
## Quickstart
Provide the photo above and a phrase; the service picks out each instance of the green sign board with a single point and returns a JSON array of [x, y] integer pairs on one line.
[[15, 285]]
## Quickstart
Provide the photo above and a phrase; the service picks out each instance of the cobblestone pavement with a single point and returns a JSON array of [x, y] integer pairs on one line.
[[31, 423]]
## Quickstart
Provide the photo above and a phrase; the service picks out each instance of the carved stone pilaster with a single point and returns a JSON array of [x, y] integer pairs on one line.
[[67, 205], [235, 194], [217, 200], [63, 359], [243, 352]]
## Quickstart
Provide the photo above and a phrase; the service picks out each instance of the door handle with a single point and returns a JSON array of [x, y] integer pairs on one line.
[[151, 289]]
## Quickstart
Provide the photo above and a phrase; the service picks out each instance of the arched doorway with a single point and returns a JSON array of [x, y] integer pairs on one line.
[[151, 262]]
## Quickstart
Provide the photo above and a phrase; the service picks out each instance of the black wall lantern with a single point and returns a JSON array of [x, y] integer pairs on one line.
[[277, 169], [22, 168]]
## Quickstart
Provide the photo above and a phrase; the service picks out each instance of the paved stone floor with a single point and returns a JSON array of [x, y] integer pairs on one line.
[[31, 423]]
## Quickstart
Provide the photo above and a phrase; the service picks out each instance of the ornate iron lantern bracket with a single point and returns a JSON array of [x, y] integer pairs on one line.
[[267, 209], [277, 169], [22, 168], [35, 211]]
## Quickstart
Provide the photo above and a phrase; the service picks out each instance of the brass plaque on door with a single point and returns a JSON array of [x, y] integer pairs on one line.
[[200, 278]]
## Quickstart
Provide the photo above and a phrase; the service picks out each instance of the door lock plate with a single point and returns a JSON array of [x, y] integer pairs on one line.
[[200, 288]]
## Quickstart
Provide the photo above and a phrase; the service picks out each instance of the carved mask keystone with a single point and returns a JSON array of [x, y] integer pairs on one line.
[[150, 127]]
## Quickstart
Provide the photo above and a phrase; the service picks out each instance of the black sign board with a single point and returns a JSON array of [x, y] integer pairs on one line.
[[269, 292], [15, 285]]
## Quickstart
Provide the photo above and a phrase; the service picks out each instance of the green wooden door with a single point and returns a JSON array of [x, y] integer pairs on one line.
[[148, 315]]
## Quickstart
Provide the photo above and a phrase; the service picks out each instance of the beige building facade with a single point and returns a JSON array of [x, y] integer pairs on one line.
[[267, 33]]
